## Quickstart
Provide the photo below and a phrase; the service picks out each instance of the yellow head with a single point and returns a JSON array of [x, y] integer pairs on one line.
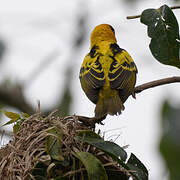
[[102, 32]]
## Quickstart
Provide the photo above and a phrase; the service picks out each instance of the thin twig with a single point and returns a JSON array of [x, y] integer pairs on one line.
[[175, 7], [133, 17], [38, 106], [14, 96], [138, 16], [156, 83], [74, 172]]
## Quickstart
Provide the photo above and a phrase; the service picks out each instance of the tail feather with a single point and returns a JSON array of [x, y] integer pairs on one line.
[[111, 105]]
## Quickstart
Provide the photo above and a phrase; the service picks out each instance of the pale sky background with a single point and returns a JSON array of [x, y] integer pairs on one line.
[[34, 29]]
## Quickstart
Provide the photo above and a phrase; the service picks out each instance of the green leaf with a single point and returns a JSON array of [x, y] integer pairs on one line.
[[16, 128], [114, 151], [163, 30], [170, 143], [53, 144], [108, 147], [93, 166], [25, 115], [139, 170], [13, 116]]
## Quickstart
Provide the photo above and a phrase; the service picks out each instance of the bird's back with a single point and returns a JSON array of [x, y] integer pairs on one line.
[[108, 73]]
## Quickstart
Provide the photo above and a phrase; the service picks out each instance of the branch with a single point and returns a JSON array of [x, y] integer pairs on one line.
[[92, 121], [138, 16], [155, 83], [13, 95]]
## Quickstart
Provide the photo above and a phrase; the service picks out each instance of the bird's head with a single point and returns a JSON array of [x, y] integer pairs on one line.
[[102, 32]]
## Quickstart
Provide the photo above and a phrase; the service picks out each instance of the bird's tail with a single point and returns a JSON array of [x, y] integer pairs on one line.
[[111, 105]]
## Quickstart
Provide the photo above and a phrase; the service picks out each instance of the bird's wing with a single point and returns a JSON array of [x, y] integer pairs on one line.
[[122, 72], [91, 75]]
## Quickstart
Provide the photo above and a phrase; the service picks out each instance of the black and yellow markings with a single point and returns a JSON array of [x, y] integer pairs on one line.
[[115, 49], [119, 73], [92, 52]]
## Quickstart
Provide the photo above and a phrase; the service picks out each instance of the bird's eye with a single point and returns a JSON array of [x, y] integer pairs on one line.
[[112, 29]]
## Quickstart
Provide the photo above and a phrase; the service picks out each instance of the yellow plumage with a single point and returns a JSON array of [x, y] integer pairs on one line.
[[108, 73]]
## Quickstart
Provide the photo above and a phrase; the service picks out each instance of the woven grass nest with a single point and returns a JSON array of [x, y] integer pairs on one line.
[[58, 148]]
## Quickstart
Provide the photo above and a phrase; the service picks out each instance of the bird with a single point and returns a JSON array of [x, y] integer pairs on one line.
[[108, 73]]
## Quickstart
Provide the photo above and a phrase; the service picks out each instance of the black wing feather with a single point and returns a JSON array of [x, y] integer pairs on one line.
[[91, 75]]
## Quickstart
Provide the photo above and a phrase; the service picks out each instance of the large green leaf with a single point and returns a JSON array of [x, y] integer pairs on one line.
[[163, 30], [53, 144], [139, 170], [170, 141], [93, 166], [94, 139], [134, 165]]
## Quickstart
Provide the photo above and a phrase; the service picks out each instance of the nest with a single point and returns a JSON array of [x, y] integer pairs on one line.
[[28, 150]]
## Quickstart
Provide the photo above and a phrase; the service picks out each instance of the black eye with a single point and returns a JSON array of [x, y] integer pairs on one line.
[[112, 29]]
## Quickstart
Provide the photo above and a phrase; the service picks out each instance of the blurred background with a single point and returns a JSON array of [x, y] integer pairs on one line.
[[42, 46]]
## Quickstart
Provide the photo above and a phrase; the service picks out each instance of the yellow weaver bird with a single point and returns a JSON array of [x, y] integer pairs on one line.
[[108, 73]]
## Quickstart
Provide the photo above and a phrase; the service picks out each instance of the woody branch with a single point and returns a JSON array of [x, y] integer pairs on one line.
[[92, 121]]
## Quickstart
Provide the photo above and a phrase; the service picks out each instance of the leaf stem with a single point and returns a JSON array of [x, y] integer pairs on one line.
[[138, 16]]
